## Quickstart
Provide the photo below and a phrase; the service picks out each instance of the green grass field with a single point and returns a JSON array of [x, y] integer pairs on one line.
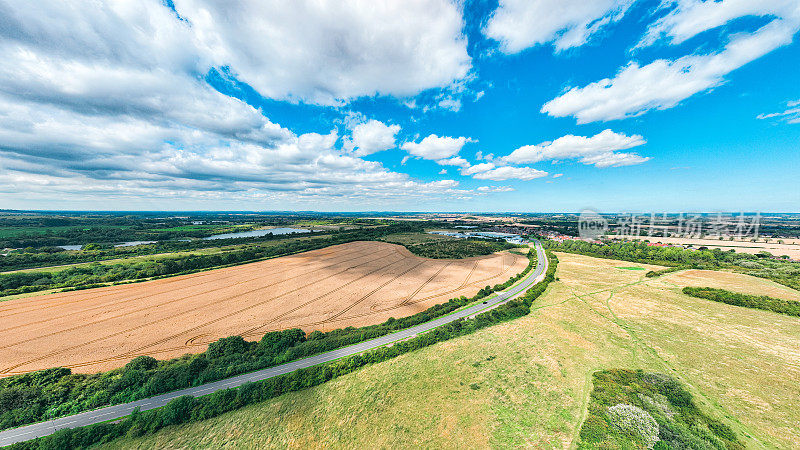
[[526, 383], [13, 232]]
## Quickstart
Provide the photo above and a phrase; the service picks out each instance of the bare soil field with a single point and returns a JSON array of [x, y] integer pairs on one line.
[[354, 284]]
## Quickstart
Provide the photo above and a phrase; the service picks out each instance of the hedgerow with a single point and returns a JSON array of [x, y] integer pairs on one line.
[[188, 409], [764, 302], [57, 392]]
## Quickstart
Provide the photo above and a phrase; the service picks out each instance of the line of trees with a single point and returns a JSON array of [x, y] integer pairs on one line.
[[189, 409], [55, 256], [781, 271], [458, 248], [57, 392], [748, 301], [96, 274]]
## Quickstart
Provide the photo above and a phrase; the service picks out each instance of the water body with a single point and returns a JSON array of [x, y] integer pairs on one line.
[[508, 237], [132, 243], [257, 233], [121, 244]]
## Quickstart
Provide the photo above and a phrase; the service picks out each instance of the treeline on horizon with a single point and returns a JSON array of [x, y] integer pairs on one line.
[[781, 271], [94, 275], [56, 392]]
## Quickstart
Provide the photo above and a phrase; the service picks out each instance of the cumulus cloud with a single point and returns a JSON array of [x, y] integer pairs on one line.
[[509, 172], [111, 100], [454, 161], [472, 170], [600, 150], [372, 136], [520, 24], [435, 147], [495, 189], [662, 84], [790, 115], [330, 52]]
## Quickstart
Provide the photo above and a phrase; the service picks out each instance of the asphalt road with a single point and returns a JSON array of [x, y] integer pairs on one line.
[[35, 430]]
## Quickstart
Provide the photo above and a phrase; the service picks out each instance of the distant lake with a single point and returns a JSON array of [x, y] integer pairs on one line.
[[132, 243], [257, 233], [121, 244]]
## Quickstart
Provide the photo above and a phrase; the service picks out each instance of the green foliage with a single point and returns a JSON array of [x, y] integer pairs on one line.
[[658, 273], [458, 248], [636, 409], [96, 274], [232, 345], [764, 302], [69, 393], [142, 363], [188, 409], [780, 271]]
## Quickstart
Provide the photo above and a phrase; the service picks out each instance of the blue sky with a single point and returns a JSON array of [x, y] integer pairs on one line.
[[548, 105]]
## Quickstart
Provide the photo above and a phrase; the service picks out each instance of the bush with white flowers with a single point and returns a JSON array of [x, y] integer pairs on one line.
[[635, 422]]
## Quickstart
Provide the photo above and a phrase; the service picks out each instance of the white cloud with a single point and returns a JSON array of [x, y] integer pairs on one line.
[[688, 18], [372, 136], [110, 100], [328, 52], [450, 103], [443, 172], [436, 147], [496, 189], [519, 24], [600, 150], [472, 170], [662, 84], [508, 173], [558, 175], [454, 161], [610, 159], [790, 115]]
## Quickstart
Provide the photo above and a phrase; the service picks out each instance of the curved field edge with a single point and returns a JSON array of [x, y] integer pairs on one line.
[[189, 409], [526, 382], [138, 269], [56, 392]]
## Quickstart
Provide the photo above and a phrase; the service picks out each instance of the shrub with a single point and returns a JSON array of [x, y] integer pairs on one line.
[[230, 345], [141, 363], [634, 422]]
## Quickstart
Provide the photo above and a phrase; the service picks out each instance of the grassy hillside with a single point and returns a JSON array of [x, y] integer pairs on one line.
[[527, 382]]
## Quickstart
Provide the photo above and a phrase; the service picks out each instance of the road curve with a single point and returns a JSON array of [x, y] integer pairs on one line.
[[40, 429]]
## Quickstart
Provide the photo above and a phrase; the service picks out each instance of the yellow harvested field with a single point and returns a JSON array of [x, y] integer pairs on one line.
[[354, 284]]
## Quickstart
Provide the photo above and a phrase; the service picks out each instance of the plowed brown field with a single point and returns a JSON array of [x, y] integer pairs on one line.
[[358, 283]]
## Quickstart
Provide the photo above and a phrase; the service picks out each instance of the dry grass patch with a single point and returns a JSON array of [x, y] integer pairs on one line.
[[735, 282], [525, 383]]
